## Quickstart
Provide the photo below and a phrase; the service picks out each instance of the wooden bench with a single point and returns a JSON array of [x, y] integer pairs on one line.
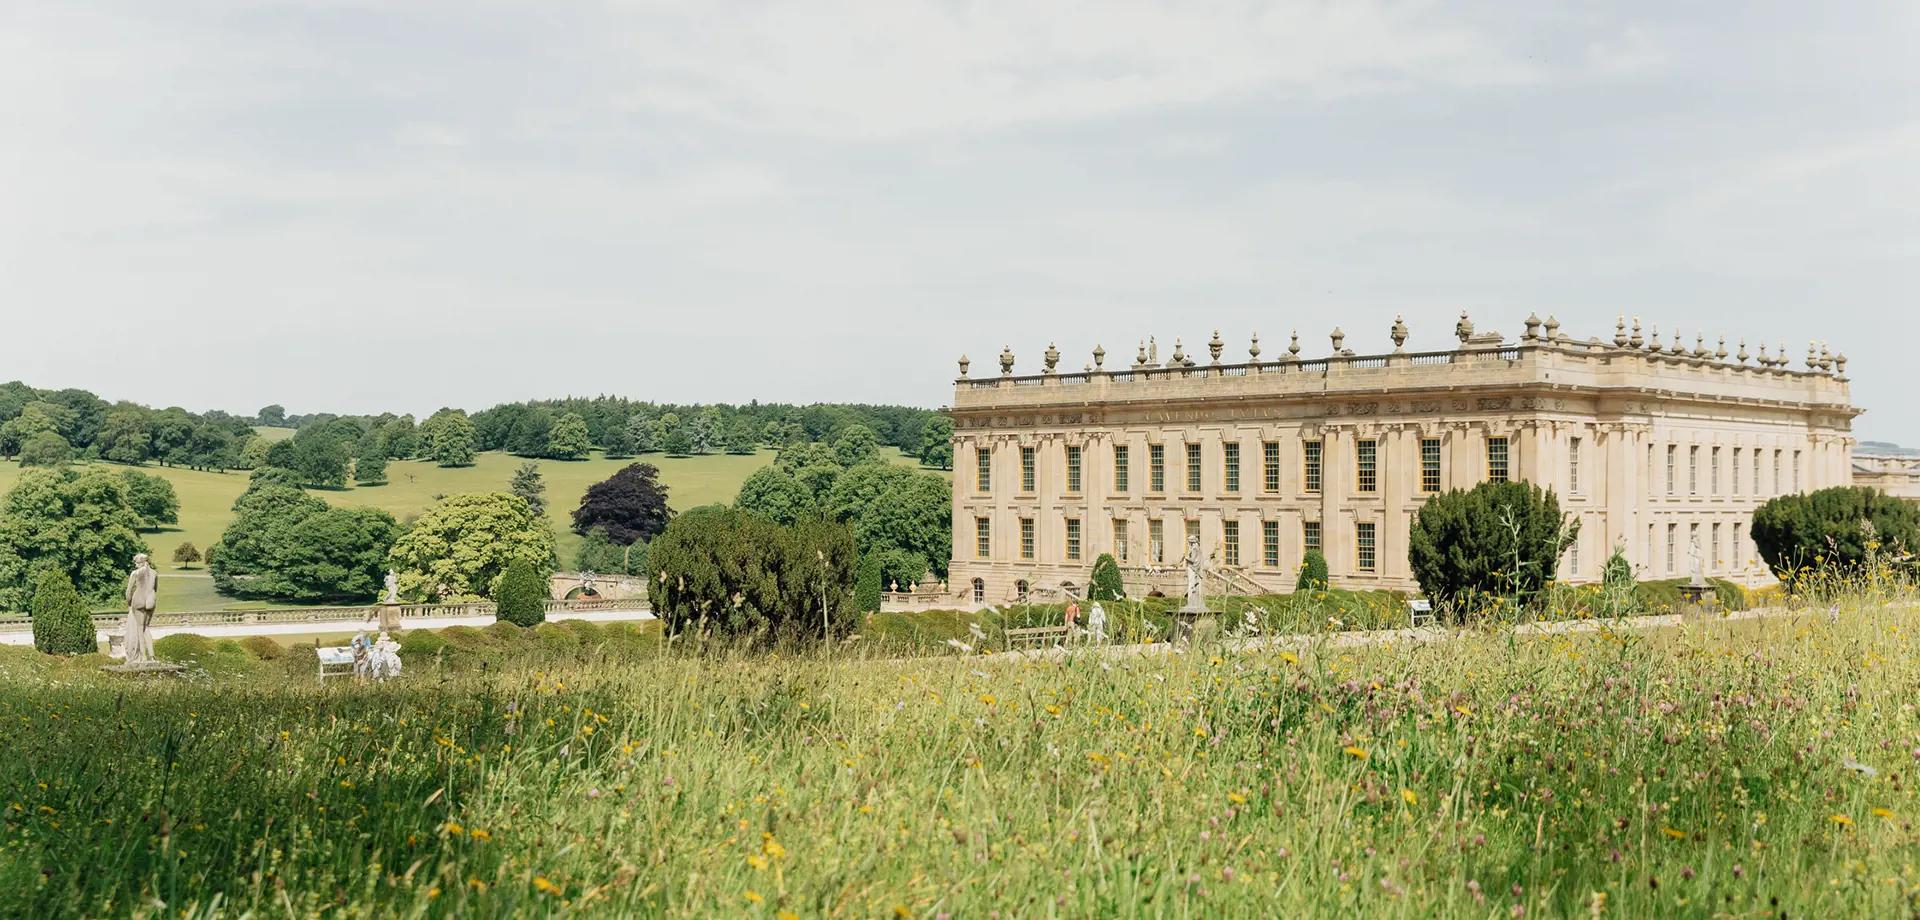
[[1036, 635], [335, 661]]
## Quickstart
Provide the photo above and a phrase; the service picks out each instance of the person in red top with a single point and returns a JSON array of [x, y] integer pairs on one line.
[[1073, 613]]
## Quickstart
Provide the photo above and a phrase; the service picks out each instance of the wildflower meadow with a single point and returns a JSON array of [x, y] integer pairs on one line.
[[1721, 768]]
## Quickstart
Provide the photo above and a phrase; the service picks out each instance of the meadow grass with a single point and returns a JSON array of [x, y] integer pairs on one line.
[[1753, 768], [206, 498]]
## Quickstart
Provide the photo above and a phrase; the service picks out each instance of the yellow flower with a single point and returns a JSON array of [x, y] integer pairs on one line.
[[477, 884], [1409, 796], [453, 828], [1236, 798], [433, 892], [758, 862], [1677, 835], [1841, 819], [1883, 813], [987, 700], [541, 883], [773, 848], [1199, 732], [1356, 752], [786, 915], [479, 834], [755, 897], [900, 910]]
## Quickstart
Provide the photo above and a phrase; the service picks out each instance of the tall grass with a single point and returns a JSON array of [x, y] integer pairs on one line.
[[1723, 769]]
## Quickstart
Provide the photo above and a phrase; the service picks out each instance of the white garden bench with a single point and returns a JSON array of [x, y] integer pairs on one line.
[[335, 661], [1419, 609]]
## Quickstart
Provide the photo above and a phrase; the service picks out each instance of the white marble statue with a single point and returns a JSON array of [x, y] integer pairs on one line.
[[393, 588], [1097, 623], [384, 658], [1195, 565], [1693, 559], [143, 586]]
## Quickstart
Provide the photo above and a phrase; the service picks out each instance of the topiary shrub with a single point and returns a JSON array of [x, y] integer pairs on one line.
[[1313, 573], [866, 585], [182, 648], [1497, 539], [522, 596], [263, 648], [1106, 583], [62, 624], [557, 640], [1836, 527]]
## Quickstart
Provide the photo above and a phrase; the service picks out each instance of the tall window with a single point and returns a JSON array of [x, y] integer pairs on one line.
[[1777, 462], [1496, 459], [1796, 472], [1193, 469], [1157, 541], [1026, 469], [1073, 539], [1713, 472], [1193, 533], [1719, 561], [1310, 466], [1270, 544], [1673, 464], [1673, 537], [1651, 488], [1573, 466], [1026, 538], [1310, 536], [1739, 548], [1156, 468], [1429, 464], [1756, 472], [1120, 540], [1366, 454], [1733, 471], [983, 469], [1270, 466], [982, 537], [979, 590], [1230, 466], [1693, 470], [1230, 542], [1363, 546], [1573, 558], [1073, 470], [1120, 468]]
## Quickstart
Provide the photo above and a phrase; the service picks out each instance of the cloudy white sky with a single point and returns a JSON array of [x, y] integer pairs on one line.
[[356, 206]]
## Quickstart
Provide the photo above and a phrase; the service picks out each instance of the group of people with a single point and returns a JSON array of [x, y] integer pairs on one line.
[[378, 659], [1096, 629]]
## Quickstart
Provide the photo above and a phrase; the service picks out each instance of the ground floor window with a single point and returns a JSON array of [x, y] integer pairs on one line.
[[1020, 590], [979, 590], [1270, 544], [1363, 545], [1230, 542]]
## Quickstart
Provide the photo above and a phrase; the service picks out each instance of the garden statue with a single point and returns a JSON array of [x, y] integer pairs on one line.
[[1097, 623], [393, 588], [1693, 560], [384, 658], [1195, 565], [143, 585]]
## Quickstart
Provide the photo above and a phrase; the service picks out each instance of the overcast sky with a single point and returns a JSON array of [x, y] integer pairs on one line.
[[352, 207]]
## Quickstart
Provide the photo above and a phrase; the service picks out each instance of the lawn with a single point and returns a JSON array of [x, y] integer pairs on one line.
[[1761, 768], [206, 499]]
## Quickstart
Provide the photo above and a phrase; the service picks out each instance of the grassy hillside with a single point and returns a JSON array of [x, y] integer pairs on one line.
[[206, 499]]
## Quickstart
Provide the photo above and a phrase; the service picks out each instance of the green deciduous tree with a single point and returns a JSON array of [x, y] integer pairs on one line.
[[913, 515], [460, 547], [45, 449], [775, 495], [153, 498], [936, 443], [738, 574], [1497, 539], [1796, 533], [370, 467], [126, 434], [631, 505], [531, 488], [1106, 583], [186, 554], [568, 439], [856, 445], [598, 553], [616, 443], [523, 594], [742, 436], [71, 522], [447, 438], [62, 624]]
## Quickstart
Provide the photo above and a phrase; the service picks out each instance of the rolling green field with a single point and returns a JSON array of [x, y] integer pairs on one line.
[[206, 499]]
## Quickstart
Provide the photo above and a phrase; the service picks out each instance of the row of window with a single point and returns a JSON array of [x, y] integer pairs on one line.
[[1740, 465], [1712, 558], [1365, 546], [1366, 470]]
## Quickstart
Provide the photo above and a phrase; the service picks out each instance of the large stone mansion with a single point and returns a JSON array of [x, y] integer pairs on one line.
[[1653, 448]]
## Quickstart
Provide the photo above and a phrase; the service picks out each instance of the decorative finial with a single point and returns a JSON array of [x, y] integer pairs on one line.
[[1464, 328], [1253, 351], [1620, 331], [1006, 361], [1293, 350], [1743, 350], [1214, 347], [1338, 337], [1399, 333], [1653, 343], [1636, 341], [1780, 359], [1840, 366], [1533, 327], [1553, 328], [1826, 360], [1679, 347], [1099, 357], [1763, 360], [1699, 344], [1813, 361], [1178, 358], [1140, 360], [963, 365], [1052, 357], [1720, 354]]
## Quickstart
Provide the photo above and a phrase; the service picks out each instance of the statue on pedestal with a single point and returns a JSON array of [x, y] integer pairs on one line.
[[1196, 600], [1693, 560], [393, 588], [143, 588]]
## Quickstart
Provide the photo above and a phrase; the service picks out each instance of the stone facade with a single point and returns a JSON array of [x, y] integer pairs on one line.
[[1894, 474], [1649, 447]]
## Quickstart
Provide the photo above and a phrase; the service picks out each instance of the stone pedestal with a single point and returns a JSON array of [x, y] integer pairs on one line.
[[1697, 598], [1187, 619], [390, 617]]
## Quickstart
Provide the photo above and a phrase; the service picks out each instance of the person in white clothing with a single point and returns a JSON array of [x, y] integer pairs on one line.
[[1097, 623]]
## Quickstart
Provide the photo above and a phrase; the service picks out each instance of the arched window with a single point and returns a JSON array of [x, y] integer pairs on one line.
[[1070, 589], [979, 591], [1021, 590]]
